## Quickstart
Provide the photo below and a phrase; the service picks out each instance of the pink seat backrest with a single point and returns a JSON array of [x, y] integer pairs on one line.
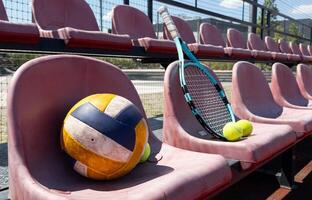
[[285, 84], [256, 43], [284, 46], [310, 49], [235, 39], [304, 49], [56, 14], [41, 93], [250, 88], [184, 29], [271, 44], [304, 79], [295, 48], [3, 14], [210, 34], [131, 21]]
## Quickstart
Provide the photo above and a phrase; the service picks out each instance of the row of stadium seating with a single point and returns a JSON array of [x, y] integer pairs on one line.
[[197, 169], [131, 27]]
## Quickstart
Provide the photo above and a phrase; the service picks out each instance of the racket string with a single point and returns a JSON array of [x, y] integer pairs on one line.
[[206, 99]]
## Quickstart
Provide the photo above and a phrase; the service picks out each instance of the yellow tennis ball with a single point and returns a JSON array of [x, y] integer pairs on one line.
[[246, 126], [232, 132], [146, 154]]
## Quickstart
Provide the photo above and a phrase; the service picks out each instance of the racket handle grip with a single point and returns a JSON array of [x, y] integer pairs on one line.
[[163, 11]]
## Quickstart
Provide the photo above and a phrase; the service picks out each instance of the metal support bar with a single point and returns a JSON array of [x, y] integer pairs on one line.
[[262, 23], [101, 15], [254, 17], [268, 23], [286, 175], [126, 2], [150, 9]]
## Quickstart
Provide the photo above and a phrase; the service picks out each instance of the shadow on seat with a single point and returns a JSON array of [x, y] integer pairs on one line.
[[41, 93]]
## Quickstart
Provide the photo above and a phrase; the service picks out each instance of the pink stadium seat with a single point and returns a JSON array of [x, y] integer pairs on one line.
[[305, 52], [182, 130], [133, 22], [41, 93], [296, 50], [210, 35], [187, 35], [304, 80], [236, 41], [63, 19], [16, 32], [285, 89], [273, 47], [284, 47], [252, 99], [258, 47]]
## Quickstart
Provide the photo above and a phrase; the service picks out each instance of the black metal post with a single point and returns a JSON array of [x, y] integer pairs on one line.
[[150, 9], [195, 3], [254, 17], [101, 15], [311, 35], [126, 2], [268, 23], [262, 23]]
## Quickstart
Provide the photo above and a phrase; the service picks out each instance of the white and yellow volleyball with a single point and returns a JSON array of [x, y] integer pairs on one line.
[[105, 135]]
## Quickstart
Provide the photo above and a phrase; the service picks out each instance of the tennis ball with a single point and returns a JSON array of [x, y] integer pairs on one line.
[[246, 126], [146, 154], [232, 132]]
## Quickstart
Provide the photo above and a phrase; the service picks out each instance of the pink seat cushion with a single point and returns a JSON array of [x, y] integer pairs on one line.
[[235, 39], [36, 110], [238, 53], [304, 80], [19, 33], [206, 50], [310, 50], [296, 50], [181, 129], [94, 39], [156, 45], [284, 47]]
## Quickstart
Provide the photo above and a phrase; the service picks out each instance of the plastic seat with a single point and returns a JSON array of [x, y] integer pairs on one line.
[[296, 50], [284, 47], [258, 47], [237, 44], [273, 47], [305, 52], [252, 99], [304, 80], [182, 130], [285, 89], [17, 32], [187, 35], [41, 93], [62, 19], [210, 35], [133, 22]]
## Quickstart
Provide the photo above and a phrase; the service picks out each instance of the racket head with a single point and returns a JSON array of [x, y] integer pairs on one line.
[[207, 101]]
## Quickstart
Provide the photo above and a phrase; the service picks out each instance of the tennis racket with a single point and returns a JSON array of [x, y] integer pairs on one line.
[[203, 94]]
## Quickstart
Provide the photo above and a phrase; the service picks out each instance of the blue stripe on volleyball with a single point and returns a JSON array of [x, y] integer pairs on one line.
[[105, 124], [129, 115]]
